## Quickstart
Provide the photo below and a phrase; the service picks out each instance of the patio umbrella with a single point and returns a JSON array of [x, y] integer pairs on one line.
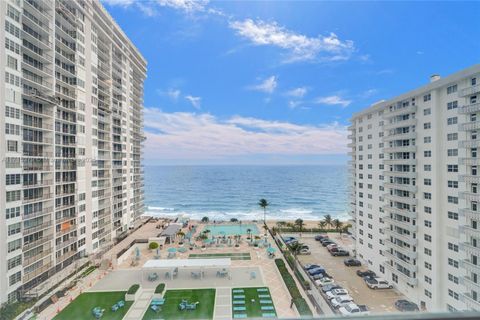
[[137, 253], [271, 249], [207, 241], [182, 250], [172, 250], [158, 251]]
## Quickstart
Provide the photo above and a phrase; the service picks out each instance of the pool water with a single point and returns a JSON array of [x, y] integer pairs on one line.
[[231, 229]]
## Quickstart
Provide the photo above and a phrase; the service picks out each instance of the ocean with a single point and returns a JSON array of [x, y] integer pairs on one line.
[[224, 192]]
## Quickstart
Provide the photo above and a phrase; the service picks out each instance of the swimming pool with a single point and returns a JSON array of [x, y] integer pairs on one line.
[[231, 229]]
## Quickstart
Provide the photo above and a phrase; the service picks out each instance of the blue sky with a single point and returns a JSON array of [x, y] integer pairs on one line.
[[276, 82]]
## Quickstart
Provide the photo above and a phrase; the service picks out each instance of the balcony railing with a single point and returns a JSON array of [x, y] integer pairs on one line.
[[469, 108], [469, 91], [400, 111]]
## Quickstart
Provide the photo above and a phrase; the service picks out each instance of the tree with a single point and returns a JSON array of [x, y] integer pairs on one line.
[[300, 224], [328, 220], [181, 234], [264, 204], [322, 224], [337, 224], [281, 224], [205, 219], [295, 250], [234, 220], [153, 245], [249, 233]]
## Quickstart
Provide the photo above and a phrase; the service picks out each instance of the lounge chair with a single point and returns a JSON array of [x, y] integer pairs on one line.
[[269, 315], [239, 308], [265, 301], [262, 290], [267, 308], [238, 302], [238, 291], [239, 296], [239, 315], [264, 296], [253, 275]]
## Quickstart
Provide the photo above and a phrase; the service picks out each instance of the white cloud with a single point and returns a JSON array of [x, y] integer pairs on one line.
[[297, 92], [195, 101], [268, 85], [173, 94], [188, 6], [122, 3], [299, 47], [333, 100], [184, 135]]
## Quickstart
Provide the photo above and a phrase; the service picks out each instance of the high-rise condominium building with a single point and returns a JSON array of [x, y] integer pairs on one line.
[[416, 191], [71, 176]]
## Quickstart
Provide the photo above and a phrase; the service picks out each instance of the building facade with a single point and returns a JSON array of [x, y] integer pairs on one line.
[[414, 191], [72, 180]]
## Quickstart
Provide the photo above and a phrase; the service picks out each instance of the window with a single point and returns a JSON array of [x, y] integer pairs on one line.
[[452, 215], [452, 278], [473, 81], [428, 223], [427, 153], [452, 168], [14, 278], [427, 139], [427, 182], [427, 111], [452, 121], [452, 247], [427, 125], [452, 184], [452, 136], [428, 252], [452, 199], [427, 210], [452, 152], [452, 105], [453, 263], [427, 97], [452, 89], [427, 196]]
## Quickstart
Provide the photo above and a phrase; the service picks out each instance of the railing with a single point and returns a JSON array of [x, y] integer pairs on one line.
[[469, 91], [470, 108]]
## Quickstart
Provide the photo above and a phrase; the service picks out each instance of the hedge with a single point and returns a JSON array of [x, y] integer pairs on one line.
[[298, 300], [160, 288], [133, 289]]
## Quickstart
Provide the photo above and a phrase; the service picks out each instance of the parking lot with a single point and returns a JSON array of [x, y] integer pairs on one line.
[[378, 301]]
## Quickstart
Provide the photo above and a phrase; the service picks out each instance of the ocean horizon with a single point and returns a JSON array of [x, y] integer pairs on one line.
[[222, 192]]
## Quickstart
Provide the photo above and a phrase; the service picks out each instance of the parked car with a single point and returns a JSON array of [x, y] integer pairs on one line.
[[330, 287], [320, 237], [304, 251], [320, 276], [310, 266], [378, 283], [325, 240], [316, 270], [336, 292], [406, 306], [326, 243], [352, 262], [331, 246], [340, 253], [324, 281], [353, 309], [366, 273], [339, 301]]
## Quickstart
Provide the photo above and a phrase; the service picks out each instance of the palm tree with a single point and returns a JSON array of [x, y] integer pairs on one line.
[[322, 224], [205, 219], [328, 220], [299, 223], [281, 224], [337, 224], [249, 232], [295, 249], [264, 204]]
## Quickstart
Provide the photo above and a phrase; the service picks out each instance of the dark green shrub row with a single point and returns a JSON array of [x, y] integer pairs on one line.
[[133, 289], [298, 300], [88, 271], [160, 288]]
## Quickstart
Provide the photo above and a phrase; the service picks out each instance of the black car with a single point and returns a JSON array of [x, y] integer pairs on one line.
[[326, 243], [364, 274], [352, 262], [340, 253], [406, 306], [320, 237]]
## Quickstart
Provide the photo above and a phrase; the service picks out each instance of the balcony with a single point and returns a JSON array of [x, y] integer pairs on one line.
[[470, 284], [469, 144], [469, 108], [409, 280], [394, 149], [400, 124], [403, 237], [403, 187], [401, 174], [37, 257], [469, 196], [400, 161], [408, 200], [398, 260], [39, 198], [66, 256], [469, 266], [474, 125], [402, 224], [469, 248], [39, 213], [468, 178], [469, 214], [470, 232], [400, 111], [469, 161], [470, 302], [469, 91], [37, 242], [44, 225], [35, 273], [404, 250]]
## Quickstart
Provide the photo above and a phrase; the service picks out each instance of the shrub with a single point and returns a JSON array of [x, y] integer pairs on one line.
[[88, 271], [133, 289], [298, 300], [153, 245], [160, 288]]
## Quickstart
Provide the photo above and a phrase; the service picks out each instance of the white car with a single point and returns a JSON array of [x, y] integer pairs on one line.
[[333, 245], [324, 281], [340, 301], [304, 251], [335, 293], [378, 283], [351, 309]]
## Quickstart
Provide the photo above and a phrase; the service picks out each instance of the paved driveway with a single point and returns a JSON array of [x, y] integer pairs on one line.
[[378, 301]]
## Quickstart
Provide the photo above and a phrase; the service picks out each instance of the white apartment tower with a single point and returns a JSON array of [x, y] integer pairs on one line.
[[415, 191], [72, 102]]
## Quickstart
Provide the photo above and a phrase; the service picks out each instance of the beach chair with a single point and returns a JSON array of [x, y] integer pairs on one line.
[[253, 275], [264, 296], [262, 290], [121, 303], [265, 301], [239, 315], [239, 308], [238, 291], [267, 308], [269, 315], [238, 302], [239, 296]]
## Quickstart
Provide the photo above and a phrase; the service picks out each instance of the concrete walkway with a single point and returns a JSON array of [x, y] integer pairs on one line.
[[223, 304], [140, 305]]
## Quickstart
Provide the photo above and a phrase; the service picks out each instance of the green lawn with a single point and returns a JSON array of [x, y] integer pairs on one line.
[[81, 307], [252, 302], [204, 310]]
